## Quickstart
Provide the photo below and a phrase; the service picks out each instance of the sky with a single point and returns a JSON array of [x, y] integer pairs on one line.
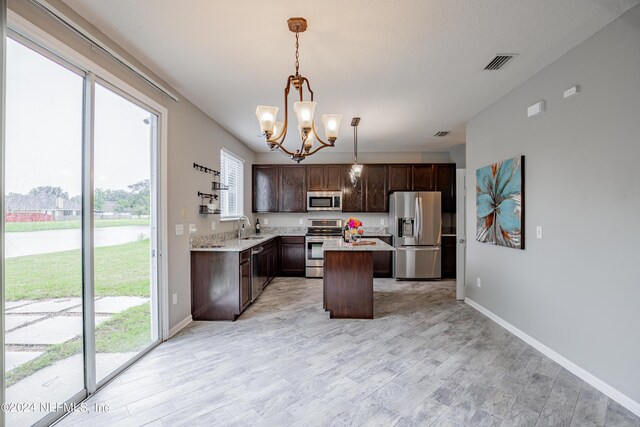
[[44, 129]]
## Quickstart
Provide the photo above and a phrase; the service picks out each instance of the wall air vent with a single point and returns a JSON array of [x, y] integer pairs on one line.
[[442, 133], [500, 61]]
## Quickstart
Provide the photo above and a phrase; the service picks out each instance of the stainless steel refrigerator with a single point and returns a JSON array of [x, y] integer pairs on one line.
[[415, 222]]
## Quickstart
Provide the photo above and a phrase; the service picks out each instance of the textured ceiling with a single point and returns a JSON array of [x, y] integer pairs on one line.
[[409, 68]]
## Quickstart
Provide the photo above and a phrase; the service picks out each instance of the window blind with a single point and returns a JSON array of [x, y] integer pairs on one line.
[[231, 175]]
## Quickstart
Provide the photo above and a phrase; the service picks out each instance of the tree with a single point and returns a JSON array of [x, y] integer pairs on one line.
[[47, 190]]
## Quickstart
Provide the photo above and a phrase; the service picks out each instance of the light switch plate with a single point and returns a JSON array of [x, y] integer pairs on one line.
[[539, 232], [301, 221], [179, 229], [213, 225], [478, 282], [192, 228], [175, 298], [382, 221], [266, 221]]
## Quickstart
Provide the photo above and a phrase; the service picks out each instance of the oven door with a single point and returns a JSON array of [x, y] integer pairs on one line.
[[313, 252], [314, 255]]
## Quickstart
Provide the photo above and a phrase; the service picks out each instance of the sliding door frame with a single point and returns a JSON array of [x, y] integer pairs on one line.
[[3, 51], [61, 53]]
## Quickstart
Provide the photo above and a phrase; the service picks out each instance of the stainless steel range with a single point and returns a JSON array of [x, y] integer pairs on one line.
[[318, 232]]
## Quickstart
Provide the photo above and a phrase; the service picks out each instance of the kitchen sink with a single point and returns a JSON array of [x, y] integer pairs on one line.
[[251, 238]]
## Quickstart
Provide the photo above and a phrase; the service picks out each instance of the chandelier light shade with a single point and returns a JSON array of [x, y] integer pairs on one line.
[[275, 132]]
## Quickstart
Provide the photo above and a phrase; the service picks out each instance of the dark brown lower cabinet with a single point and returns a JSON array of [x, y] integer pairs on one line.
[[292, 257], [270, 260], [220, 284], [245, 279], [383, 261], [448, 257]]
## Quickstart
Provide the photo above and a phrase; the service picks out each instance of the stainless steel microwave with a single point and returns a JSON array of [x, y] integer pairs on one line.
[[324, 201]]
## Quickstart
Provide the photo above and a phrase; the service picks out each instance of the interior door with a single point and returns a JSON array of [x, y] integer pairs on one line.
[[461, 231]]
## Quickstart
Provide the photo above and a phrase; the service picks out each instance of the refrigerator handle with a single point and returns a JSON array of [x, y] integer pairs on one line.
[[417, 218]]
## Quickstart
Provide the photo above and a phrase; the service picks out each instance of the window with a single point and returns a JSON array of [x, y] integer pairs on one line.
[[231, 175]]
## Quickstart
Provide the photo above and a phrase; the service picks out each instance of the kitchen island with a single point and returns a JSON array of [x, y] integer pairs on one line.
[[348, 278]]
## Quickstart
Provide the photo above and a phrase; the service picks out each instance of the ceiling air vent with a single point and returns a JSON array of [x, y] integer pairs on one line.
[[500, 61], [442, 133]]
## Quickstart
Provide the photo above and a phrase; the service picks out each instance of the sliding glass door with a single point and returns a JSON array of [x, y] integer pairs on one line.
[[124, 299], [80, 302], [43, 261]]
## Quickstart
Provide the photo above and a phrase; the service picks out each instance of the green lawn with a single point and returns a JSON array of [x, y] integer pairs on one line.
[[119, 270], [16, 227], [128, 331]]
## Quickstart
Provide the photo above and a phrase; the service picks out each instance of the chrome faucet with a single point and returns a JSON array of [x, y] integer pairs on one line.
[[240, 218]]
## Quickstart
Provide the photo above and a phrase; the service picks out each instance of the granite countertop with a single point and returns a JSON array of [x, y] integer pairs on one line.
[[340, 245], [234, 245]]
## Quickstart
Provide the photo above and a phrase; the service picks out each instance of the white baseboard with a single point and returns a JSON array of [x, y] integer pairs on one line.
[[589, 378], [184, 322]]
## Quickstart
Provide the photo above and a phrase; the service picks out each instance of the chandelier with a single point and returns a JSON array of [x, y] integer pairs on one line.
[[275, 132]]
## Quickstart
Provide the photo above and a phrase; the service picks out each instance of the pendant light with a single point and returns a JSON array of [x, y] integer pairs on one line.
[[356, 169]]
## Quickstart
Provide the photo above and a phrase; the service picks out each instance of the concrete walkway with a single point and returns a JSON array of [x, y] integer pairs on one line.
[[31, 326]]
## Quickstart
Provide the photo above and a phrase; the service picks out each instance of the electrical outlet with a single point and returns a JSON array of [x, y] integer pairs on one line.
[[301, 221], [266, 221], [478, 282], [213, 225], [192, 228], [539, 232], [382, 221], [175, 298], [179, 229]]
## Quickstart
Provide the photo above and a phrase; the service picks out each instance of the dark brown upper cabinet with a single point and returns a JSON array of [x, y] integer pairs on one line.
[[422, 177], [315, 177], [352, 195], [293, 188], [446, 184], [332, 178], [265, 188], [375, 184], [323, 178], [399, 177]]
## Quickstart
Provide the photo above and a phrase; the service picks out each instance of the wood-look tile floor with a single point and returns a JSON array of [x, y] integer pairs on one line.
[[425, 360]]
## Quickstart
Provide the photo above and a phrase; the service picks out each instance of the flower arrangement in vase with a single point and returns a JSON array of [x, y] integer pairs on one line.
[[353, 230]]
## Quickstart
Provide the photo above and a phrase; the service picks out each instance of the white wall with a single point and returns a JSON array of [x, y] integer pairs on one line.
[[193, 137], [577, 291]]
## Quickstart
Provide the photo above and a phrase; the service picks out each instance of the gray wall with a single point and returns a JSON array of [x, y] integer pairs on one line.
[[193, 137], [577, 290]]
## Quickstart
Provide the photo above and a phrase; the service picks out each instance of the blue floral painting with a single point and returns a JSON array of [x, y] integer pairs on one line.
[[499, 203]]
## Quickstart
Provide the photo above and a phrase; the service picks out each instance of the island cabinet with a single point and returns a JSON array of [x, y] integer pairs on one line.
[[375, 188], [448, 248], [220, 284], [292, 256], [323, 178], [352, 194], [445, 182], [293, 188], [399, 178], [265, 188]]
